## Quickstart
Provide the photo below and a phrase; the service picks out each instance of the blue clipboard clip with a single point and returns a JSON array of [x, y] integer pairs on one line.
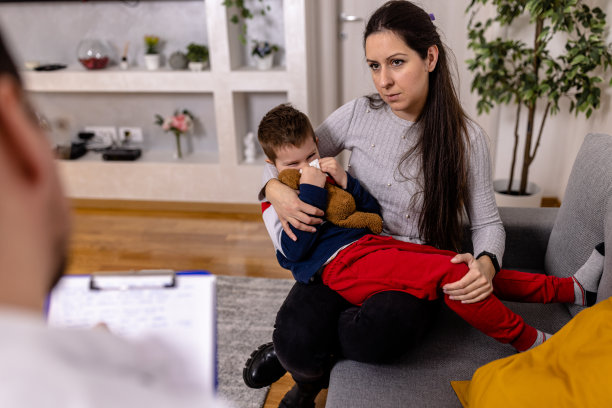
[[133, 280]]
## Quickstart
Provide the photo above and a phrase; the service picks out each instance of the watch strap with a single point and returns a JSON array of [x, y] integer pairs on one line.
[[493, 259]]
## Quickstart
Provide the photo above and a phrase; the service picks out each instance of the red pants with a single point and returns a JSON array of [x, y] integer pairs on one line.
[[376, 264]]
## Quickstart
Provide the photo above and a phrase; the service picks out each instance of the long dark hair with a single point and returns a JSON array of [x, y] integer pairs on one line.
[[442, 144]]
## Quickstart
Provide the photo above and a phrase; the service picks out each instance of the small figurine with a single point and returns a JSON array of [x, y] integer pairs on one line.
[[250, 148]]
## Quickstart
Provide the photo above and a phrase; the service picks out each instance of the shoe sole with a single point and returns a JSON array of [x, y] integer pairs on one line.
[[247, 367]]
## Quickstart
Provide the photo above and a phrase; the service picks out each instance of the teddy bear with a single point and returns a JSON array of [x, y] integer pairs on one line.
[[341, 208]]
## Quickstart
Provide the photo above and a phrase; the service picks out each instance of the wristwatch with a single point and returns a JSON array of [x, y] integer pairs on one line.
[[493, 259]]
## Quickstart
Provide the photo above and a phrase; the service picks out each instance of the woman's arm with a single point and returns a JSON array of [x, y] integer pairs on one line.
[[291, 210], [488, 235], [300, 249], [336, 129]]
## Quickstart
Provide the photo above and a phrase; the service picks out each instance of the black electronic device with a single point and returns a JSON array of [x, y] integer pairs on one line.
[[121, 154], [49, 67], [71, 152], [86, 135]]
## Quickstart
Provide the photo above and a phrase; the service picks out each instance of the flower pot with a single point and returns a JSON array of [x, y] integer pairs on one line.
[[197, 66], [533, 198], [265, 62], [152, 61]]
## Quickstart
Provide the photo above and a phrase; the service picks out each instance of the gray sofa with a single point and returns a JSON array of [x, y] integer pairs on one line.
[[539, 240]]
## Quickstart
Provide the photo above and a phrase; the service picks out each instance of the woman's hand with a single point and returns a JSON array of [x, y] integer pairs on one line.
[[292, 210], [476, 284], [330, 166]]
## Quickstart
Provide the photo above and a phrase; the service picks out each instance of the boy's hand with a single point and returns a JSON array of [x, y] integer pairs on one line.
[[312, 175], [330, 166]]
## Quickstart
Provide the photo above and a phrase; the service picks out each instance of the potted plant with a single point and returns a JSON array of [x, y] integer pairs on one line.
[[151, 53], [179, 124], [263, 53], [197, 55], [533, 77], [242, 13]]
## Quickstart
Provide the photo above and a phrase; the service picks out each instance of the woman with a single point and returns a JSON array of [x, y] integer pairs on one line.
[[427, 164]]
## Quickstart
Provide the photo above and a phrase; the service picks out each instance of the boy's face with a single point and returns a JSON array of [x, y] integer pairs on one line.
[[294, 157]]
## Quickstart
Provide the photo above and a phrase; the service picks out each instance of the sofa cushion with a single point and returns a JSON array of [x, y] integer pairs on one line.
[[527, 234], [566, 371], [453, 350], [579, 225]]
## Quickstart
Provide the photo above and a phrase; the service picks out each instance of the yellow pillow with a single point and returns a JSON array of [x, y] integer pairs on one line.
[[571, 369]]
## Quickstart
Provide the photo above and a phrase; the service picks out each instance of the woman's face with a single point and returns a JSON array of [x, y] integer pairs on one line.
[[400, 75]]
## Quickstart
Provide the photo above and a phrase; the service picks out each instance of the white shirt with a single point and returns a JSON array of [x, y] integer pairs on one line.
[[45, 367]]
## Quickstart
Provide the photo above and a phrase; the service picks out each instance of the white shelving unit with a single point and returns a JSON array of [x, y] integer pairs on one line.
[[202, 177]]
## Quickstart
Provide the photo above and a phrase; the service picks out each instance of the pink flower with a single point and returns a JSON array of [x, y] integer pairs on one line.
[[178, 124], [181, 122]]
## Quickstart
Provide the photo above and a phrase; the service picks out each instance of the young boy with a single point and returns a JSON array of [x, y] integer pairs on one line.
[[357, 264]]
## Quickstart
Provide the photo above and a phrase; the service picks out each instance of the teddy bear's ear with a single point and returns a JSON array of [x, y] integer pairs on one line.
[[290, 177]]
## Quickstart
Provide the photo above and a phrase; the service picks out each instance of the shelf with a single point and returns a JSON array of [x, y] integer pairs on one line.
[[115, 80], [153, 156], [177, 181], [228, 100], [168, 81]]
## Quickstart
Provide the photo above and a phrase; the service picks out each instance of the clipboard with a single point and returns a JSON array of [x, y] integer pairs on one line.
[[178, 308]]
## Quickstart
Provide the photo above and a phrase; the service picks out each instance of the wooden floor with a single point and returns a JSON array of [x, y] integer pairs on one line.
[[225, 244]]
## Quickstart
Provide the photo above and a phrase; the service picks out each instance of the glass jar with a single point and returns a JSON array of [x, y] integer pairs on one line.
[[93, 54]]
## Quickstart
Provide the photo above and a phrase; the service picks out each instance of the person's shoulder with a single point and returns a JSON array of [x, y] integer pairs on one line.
[[476, 134], [479, 144], [474, 130], [359, 105]]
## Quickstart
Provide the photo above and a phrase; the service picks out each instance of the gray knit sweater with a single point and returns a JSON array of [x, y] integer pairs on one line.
[[377, 140]]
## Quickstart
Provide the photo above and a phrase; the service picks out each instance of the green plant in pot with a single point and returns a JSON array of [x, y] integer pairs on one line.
[[534, 77], [151, 52], [197, 55], [263, 53]]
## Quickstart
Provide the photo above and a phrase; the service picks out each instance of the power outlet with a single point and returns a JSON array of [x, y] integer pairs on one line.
[[129, 134], [105, 135]]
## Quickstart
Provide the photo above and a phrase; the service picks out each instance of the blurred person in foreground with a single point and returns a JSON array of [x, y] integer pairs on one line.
[[56, 367]]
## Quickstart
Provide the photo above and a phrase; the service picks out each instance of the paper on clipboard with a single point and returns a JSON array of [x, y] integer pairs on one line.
[[179, 309]]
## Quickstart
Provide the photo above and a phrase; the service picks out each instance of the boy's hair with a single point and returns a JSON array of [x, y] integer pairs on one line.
[[281, 126]]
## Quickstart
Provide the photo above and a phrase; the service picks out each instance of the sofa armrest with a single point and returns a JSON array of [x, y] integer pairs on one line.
[[605, 284], [527, 234]]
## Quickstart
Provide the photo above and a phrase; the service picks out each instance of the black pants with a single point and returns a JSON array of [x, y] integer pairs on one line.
[[315, 326]]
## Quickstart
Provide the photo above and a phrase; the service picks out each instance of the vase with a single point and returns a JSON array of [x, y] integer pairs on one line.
[[93, 54], [533, 198], [265, 62], [152, 61], [177, 60], [179, 152]]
